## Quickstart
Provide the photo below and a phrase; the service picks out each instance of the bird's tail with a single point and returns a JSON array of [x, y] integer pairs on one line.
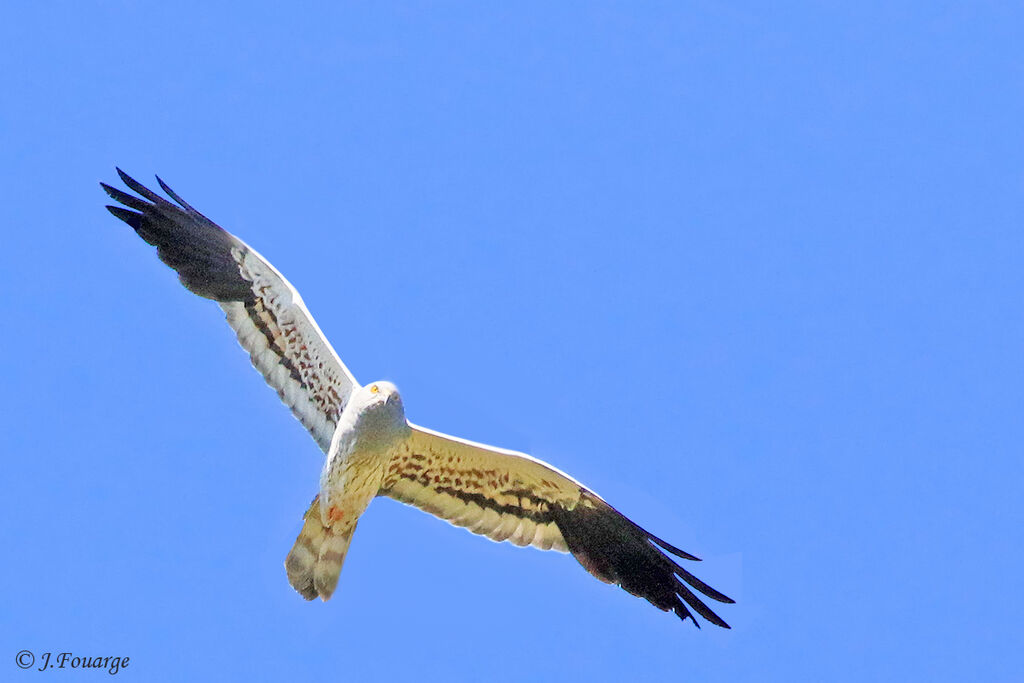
[[314, 563]]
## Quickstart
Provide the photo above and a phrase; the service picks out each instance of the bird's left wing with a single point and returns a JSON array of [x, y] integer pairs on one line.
[[505, 495], [272, 324]]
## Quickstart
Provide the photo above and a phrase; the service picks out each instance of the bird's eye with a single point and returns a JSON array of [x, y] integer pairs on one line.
[[374, 389]]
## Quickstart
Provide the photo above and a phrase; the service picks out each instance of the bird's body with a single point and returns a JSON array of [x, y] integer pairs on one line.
[[370, 432], [368, 435], [373, 450]]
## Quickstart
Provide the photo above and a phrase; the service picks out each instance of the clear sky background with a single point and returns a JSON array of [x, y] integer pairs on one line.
[[753, 274]]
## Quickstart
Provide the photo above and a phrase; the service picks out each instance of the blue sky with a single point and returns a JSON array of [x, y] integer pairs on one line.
[[754, 275]]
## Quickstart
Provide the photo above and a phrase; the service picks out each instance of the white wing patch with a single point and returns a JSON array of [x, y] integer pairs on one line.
[[288, 348]]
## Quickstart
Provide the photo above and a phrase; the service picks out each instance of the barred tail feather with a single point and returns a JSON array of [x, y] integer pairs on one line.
[[315, 561]]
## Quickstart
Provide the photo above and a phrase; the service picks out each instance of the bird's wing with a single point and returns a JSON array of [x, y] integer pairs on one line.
[[506, 495], [263, 309]]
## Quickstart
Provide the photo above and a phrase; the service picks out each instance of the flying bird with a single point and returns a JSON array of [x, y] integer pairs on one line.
[[373, 450]]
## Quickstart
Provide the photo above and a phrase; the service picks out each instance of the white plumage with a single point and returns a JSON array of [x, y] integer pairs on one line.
[[373, 450]]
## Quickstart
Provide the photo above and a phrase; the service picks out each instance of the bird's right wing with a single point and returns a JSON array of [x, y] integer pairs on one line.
[[263, 309], [505, 495]]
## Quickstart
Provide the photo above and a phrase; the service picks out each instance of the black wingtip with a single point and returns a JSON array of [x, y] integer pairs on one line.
[[141, 189], [130, 217], [165, 188], [671, 548], [174, 195], [125, 178], [615, 550], [204, 255]]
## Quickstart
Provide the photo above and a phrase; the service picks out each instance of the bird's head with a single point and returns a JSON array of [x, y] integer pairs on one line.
[[381, 394], [380, 409]]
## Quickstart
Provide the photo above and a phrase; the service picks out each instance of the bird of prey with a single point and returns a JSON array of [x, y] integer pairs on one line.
[[372, 450]]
